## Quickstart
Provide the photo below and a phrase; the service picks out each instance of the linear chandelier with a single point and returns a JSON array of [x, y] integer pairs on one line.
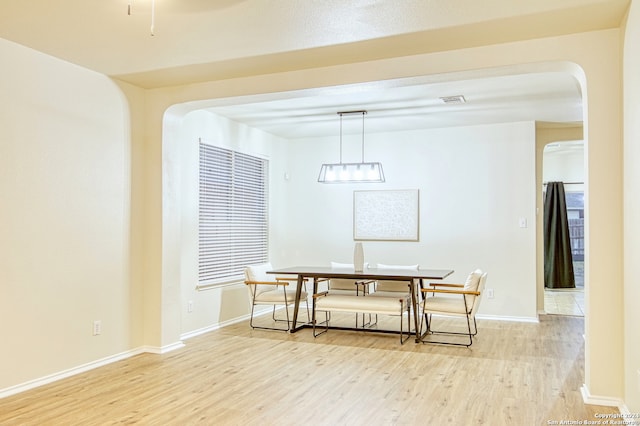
[[351, 172]]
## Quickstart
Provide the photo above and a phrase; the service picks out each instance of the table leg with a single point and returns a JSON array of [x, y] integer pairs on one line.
[[414, 305], [296, 305], [313, 303], [422, 296]]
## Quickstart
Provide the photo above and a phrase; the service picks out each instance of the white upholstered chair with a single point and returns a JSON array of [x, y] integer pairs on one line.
[[457, 300], [393, 288], [266, 289], [348, 287], [388, 288]]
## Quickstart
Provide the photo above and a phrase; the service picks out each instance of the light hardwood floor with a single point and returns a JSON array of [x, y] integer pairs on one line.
[[514, 374]]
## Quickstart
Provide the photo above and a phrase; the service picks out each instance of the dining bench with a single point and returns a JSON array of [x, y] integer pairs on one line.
[[382, 305]]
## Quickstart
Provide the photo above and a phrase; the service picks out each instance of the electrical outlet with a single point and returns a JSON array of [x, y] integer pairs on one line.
[[97, 327], [190, 306], [489, 293]]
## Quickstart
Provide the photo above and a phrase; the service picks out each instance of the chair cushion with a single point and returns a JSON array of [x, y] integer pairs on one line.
[[342, 284], [387, 286], [445, 305], [405, 267], [384, 287], [471, 284], [367, 304], [259, 272], [394, 292], [277, 296]]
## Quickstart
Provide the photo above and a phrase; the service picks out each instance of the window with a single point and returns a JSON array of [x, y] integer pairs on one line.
[[575, 214], [233, 228]]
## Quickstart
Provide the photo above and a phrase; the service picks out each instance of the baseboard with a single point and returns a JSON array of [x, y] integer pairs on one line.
[[606, 401], [625, 410], [162, 349], [32, 384], [217, 326], [67, 373]]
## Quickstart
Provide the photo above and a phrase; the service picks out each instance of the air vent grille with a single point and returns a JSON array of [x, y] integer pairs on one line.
[[457, 99]]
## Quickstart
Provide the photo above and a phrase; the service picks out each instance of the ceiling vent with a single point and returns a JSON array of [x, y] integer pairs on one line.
[[457, 99]]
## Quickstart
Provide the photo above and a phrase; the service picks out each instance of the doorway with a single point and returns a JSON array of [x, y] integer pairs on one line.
[[564, 162]]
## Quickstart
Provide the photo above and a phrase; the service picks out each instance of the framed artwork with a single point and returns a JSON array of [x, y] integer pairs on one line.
[[386, 215]]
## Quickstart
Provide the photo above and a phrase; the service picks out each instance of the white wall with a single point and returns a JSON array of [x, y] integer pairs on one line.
[[475, 184], [632, 208], [564, 161], [64, 220]]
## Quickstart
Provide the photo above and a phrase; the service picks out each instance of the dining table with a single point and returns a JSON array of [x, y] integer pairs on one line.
[[415, 278]]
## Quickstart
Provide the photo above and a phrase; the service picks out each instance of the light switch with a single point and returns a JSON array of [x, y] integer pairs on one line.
[[523, 222]]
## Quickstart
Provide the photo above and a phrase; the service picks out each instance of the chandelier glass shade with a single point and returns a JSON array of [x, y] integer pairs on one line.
[[351, 172]]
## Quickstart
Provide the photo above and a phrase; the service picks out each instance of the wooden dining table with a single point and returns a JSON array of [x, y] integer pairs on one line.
[[414, 277]]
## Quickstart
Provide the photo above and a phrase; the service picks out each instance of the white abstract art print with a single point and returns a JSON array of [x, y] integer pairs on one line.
[[386, 215]]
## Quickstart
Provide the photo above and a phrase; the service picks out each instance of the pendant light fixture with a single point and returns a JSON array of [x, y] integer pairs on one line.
[[351, 172]]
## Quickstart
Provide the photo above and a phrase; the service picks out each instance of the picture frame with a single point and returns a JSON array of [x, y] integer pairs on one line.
[[386, 215]]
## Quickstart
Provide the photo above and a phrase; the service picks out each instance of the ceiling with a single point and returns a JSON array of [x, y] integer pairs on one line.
[[411, 104], [203, 40]]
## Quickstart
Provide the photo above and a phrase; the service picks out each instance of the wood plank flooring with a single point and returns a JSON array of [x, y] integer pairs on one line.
[[514, 374]]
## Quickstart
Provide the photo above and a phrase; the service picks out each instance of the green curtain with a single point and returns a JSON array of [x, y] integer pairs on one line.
[[558, 262]]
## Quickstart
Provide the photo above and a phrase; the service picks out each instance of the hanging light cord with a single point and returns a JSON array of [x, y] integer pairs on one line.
[[340, 137], [352, 112], [363, 113], [153, 14]]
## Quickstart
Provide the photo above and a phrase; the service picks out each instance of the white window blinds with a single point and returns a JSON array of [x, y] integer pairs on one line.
[[233, 209]]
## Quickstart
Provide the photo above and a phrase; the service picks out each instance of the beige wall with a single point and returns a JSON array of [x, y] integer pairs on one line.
[[631, 71], [65, 169], [547, 133], [475, 184], [603, 220], [90, 102]]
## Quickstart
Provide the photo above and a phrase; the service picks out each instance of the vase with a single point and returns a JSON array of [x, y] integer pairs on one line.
[[358, 258]]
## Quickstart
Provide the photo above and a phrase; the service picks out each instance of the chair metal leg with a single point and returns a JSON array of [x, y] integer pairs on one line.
[[429, 331], [408, 323], [314, 320], [326, 322], [266, 328], [273, 315], [369, 323]]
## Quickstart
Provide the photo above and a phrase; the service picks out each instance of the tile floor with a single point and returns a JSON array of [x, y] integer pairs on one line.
[[564, 302]]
